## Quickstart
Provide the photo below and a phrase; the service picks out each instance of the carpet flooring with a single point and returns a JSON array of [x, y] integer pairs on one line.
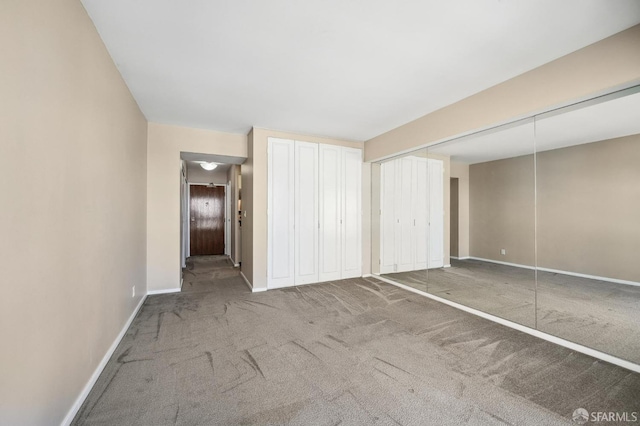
[[598, 314], [351, 352]]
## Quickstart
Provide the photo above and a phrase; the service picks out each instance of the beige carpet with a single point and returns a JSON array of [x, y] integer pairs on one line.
[[352, 352]]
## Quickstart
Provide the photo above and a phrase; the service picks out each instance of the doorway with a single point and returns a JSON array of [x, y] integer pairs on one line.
[[206, 220]]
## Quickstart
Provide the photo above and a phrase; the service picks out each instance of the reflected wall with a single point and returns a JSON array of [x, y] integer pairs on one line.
[[536, 222], [588, 233]]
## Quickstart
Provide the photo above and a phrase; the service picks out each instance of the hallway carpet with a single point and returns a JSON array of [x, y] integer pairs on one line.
[[351, 352]]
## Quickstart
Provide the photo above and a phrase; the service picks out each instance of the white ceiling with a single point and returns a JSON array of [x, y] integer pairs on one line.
[[602, 121], [348, 69]]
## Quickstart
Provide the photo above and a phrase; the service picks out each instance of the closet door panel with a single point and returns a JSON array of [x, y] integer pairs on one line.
[[280, 213], [306, 213], [405, 188], [330, 183], [388, 173], [436, 214], [351, 213], [420, 214]]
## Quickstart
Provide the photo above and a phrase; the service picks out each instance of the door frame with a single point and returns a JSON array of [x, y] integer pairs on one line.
[[189, 214], [227, 219]]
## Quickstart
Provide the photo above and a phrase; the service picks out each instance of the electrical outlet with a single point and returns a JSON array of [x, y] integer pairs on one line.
[[503, 251], [133, 291]]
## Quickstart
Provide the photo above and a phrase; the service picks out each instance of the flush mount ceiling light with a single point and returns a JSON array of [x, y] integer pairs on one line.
[[208, 166]]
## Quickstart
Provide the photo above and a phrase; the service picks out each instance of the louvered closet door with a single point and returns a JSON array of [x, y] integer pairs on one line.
[[436, 213], [330, 184], [420, 214], [351, 213], [280, 213], [405, 188], [306, 213], [388, 173]]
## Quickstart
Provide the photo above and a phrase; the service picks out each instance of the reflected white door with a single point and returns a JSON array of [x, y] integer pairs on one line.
[[351, 217], [405, 189], [388, 173], [436, 213], [421, 214], [280, 213], [306, 212], [330, 165]]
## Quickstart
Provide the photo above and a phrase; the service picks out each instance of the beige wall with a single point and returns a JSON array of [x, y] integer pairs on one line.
[[589, 209], [592, 70], [72, 230], [588, 205], [502, 210], [164, 145], [461, 171], [255, 264]]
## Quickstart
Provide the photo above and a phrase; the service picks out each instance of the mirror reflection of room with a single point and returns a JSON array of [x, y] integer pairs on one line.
[[536, 222]]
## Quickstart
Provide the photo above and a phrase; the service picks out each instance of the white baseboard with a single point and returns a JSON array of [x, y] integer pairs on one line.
[[447, 265], [557, 271], [531, 331], [165, 291], [258, 290], [367, 276], [515, 265], [592, 277], [459, 258], [94, 377]]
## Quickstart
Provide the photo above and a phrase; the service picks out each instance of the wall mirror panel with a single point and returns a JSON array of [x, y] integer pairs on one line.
[[536, 222], [491, 223], [588, 231]]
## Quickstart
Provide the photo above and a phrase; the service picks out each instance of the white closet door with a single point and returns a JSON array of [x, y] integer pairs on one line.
[[351, 213], [330, 164], [420, 214], [388, 173], [280, 213], [436, 213], [306, 213], [405, 188]]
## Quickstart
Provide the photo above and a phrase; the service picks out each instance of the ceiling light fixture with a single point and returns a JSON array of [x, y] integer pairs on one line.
[[208, 166]]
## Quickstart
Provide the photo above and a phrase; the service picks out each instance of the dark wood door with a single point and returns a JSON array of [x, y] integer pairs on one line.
[[206, 211]]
